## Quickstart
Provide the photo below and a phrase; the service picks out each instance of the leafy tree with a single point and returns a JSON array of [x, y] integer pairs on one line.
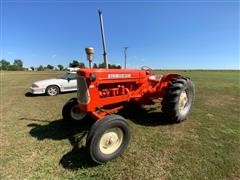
[[50, 67], [81, 65], [101, 65], [18, 63], [4, 65], [13, 68], [16, 66], [114, 66], [60, 67], [110, 66], [32, 68], [95, 65], [40, 68], [119, 67], [74, 63]]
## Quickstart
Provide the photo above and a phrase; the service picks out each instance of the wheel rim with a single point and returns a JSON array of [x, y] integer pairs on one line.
[[183, 99], [76, 114], [111, 140], [52, 91]]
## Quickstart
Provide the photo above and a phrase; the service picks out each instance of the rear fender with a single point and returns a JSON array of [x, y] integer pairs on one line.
[[164, 82]]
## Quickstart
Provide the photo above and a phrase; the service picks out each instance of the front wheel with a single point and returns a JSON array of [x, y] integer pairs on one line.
[[108, 138], [72, 114], [178, 99]]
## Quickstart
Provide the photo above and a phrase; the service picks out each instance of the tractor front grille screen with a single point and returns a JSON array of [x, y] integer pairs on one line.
[[82, 93]]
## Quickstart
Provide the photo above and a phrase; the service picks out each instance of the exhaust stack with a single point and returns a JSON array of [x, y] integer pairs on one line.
[[103, 39]]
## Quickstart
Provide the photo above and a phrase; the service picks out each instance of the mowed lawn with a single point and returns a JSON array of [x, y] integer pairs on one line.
[[35, 144]]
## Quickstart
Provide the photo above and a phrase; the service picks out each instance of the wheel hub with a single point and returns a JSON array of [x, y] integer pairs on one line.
[[182, 101], [52, 91], [76, 114], [111, 140]]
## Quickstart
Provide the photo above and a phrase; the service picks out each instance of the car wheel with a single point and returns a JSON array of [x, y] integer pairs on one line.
[[52, 90]]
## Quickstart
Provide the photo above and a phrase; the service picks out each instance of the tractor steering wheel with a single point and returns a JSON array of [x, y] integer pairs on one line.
[[148, 70]]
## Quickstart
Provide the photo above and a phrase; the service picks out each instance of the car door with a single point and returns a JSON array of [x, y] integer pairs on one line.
[[71, 83]]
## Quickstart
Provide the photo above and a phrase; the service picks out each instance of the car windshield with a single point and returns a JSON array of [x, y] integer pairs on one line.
[[68, 76]]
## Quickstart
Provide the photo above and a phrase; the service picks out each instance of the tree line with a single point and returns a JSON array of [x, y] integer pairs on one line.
[[17, 65]]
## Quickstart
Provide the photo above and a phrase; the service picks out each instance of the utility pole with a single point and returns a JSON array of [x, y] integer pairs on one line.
[[125, 55]]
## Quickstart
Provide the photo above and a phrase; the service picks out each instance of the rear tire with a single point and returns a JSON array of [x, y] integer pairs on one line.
[[71, 113], [178, 99], [52, 90], [108, 138]]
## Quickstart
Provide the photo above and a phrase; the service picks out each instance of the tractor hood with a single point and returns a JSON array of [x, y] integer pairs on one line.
[[113, 74]]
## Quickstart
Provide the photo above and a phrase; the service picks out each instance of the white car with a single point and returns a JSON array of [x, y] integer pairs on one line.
[[52, 87]]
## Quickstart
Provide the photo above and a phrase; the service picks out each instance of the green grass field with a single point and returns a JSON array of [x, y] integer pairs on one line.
[[35, 145]]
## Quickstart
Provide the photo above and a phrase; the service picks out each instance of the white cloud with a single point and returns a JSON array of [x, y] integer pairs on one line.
[[53, 56]]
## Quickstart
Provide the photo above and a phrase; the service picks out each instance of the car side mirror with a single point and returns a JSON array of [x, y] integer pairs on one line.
[[68, 79]]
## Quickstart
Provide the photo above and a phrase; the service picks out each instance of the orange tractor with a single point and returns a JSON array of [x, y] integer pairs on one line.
[[103, 92]]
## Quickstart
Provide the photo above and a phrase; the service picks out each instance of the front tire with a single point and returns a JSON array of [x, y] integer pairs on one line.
[[178, 99], [71, 113], [108, 138]]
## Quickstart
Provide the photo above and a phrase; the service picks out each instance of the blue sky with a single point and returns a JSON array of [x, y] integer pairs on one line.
[[167, 34]]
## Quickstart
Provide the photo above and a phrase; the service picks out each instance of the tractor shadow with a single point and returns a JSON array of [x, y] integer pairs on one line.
[[146, 116], [78, 157]]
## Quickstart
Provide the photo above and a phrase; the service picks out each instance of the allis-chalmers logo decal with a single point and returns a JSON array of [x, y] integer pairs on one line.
[[119, 75]]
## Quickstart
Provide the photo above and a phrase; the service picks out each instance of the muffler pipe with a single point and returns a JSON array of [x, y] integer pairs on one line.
[[103, 39]]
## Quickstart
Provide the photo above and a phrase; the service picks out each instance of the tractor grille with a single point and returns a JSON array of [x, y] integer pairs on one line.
[[82, 93]]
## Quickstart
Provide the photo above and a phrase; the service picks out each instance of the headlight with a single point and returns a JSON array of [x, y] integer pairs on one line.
[[34, 86]]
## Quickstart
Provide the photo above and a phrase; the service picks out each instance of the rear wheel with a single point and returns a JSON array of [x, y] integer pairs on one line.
[[52, 90], [178, 99], [108, 138], [71, 112]]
